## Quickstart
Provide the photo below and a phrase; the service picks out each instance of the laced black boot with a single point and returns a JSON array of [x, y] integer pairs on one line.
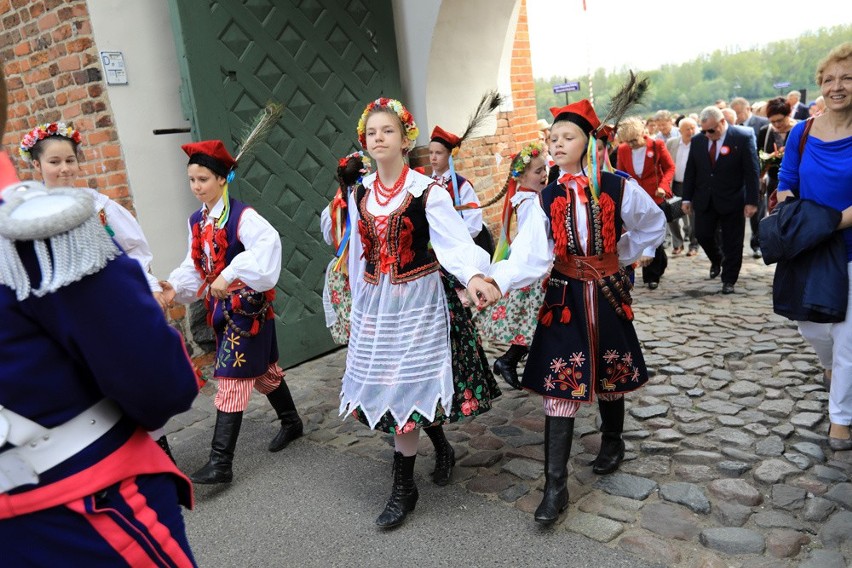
[[403, 497], [558, 435], [291, 424], [445, 455], [218, 467], [507, 365], [612, 446], [163, 442]]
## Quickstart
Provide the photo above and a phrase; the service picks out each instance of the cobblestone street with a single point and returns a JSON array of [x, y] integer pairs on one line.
[[727, 459]]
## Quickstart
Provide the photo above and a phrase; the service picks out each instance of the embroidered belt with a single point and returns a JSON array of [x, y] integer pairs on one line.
[[587, 267]]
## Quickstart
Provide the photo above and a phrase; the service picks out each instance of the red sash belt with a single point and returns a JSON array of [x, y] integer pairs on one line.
[[588, 267]]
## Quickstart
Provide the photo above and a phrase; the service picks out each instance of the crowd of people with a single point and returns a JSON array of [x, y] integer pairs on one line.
[[409, 291]]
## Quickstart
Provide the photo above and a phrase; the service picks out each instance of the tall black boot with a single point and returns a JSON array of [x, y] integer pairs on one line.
[[612, 446], [445, 455], [218, 467], [404, 493], [291, 424], [558, 435], [507, 364], [163, 442]]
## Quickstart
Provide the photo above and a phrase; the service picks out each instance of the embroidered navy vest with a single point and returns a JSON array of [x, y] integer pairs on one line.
[[612, 185], [234, 246], [407, 240], [450, 185]]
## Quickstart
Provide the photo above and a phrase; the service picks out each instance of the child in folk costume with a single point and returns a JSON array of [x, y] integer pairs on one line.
[[234, 261], [585, 344], [443, 146], [512, 319], [414, 360], [334, 222], [54, 150]]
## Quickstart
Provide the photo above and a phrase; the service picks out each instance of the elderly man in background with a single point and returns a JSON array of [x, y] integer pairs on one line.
[[665, 125], [679, 149], [800, 110], [745, 117]]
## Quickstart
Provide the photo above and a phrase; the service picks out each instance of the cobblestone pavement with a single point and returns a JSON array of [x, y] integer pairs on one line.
[[727, 461]]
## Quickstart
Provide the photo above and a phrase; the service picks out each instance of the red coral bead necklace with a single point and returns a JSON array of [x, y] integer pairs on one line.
[[384, 195]]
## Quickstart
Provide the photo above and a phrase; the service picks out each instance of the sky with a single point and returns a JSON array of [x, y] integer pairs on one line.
[[647, 34]]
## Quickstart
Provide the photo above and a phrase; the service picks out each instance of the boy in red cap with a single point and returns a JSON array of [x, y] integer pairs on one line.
[[443, 146], [233, 262], [584, 344]]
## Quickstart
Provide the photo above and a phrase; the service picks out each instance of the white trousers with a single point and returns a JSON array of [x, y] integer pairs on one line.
[[833, 345]]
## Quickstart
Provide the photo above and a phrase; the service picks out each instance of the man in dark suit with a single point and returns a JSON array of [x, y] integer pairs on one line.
[[721, 184], [745, 117], [799, 110]]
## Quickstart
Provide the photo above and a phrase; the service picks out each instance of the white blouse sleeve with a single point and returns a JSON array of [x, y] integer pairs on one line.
[[531, 251], [129, 235], [644, 223], [259, 266], [472, 217], [451, 241], [185, 278], [325, 225]]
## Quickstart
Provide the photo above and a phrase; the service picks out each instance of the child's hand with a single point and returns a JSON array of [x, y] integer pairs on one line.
[[219, 288]]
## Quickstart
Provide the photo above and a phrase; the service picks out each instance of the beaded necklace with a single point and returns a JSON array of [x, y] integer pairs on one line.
[[383, 192]]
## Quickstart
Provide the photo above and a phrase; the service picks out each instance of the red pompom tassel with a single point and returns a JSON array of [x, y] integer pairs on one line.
[[566, 315], [628, 311], [545, 316], [270, 313], [255, 327], [236, 302]]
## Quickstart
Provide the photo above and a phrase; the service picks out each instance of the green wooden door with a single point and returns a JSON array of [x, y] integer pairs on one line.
[[324, 60]]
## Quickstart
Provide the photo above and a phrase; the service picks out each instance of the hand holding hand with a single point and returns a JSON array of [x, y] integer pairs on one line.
[[219, 288], [161, 300], [482, 292], [168, 294]]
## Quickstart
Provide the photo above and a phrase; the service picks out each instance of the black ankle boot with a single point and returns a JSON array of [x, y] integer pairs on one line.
[[612, 446], [291, 424], [558, 435], [163, 442], [404, 493], [507, 365], [218, 467], [445, 455]]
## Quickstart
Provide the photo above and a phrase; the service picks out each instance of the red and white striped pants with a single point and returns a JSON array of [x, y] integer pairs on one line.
[[232, 395]]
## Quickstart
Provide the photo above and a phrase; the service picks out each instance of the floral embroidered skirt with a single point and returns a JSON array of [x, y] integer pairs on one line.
[[586, 348], [474, 386], [337, 302], [513, 318]]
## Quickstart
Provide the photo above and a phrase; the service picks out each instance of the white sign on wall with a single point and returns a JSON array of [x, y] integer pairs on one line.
[[114, 69]]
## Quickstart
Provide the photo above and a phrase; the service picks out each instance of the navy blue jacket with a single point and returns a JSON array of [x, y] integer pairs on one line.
[[811, 279]]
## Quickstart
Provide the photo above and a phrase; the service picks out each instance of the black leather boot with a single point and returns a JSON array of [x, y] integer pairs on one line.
[[612, 446], [291, 424], [163, 442], [404, 493], [218, 467], [445, 455], [507, 365], [558, 435]]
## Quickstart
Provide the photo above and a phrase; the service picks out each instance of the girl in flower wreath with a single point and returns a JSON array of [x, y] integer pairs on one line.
[[414, 359], [53, 149], [584, 346], [334, 222], [512, 319]]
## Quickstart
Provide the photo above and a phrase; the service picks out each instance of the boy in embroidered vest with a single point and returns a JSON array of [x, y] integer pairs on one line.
[[234, 261], [442, 146], [584, 345]]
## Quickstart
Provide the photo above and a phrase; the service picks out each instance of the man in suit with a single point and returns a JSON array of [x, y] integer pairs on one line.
[[800, 110], [679, 150], [745, 117], [721, 184]]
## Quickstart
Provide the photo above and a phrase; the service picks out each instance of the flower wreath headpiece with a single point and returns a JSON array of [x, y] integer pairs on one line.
[[43, 131], [523, 158], [411, 130], [366, 163]]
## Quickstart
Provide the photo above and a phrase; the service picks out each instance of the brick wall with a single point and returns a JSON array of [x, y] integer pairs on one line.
[[477, 158], [53, 73]]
